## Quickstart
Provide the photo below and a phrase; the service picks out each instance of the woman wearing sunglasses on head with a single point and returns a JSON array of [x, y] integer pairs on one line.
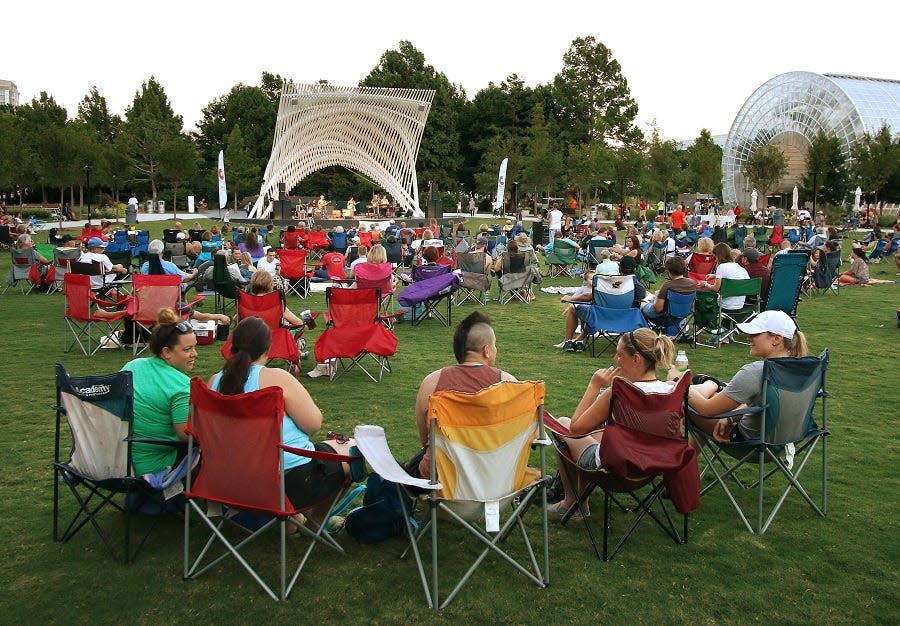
[[162, 391]]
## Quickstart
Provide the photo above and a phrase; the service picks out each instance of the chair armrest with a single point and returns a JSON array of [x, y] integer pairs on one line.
[[195, 301], [373, 445], [319, 455]]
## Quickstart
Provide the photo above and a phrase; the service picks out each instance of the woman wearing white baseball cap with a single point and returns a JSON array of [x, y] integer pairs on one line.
[[772, 334]]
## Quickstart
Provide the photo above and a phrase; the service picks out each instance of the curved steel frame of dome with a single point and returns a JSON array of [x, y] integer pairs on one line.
[[805, 103], [373, 131]]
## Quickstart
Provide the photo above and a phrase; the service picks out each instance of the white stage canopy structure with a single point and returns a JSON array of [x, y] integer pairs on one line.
[[373, 131]]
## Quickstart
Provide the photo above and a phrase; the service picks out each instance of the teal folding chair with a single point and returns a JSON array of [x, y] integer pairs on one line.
[[561, 259], [788, 437]]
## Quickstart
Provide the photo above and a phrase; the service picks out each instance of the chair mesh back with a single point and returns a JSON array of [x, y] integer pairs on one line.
[[100, 412], [153, 293], [660, 414], [613, 292], [78, 296], [239, 437], [483, 440], [471, 262], [792, 387]]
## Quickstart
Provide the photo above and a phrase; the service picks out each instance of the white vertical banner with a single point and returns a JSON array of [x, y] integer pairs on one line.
[[223, 193], [501, 185]]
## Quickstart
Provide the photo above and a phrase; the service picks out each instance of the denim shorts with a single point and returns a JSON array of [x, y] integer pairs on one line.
[[589, 459]]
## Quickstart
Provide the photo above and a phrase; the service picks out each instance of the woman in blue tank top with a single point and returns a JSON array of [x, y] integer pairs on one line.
[[307, 481]]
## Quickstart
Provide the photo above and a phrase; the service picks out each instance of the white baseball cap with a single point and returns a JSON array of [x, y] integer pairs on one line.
[[775, 322]]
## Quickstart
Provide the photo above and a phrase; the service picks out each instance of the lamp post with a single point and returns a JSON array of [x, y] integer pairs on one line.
[[815, 176], [87, 185]]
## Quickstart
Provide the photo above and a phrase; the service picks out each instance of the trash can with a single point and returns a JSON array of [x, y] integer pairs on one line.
[[161, 205], [150, 206], [131, 214]]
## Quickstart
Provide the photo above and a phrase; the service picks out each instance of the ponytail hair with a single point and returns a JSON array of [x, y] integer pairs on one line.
[[249, 341], [796, 346], [657, 350]]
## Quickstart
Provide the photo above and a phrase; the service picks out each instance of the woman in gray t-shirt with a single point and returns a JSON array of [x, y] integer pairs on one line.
[[772, 334]]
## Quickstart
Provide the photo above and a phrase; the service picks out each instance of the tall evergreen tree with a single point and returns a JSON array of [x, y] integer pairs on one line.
[[827, 177], [704, 160]]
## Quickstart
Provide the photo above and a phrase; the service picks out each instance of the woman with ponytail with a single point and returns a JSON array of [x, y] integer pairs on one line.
[[639, 355], [307, 481], [772, 334]]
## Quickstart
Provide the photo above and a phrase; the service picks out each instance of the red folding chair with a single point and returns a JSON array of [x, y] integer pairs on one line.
[[700, 265], [243, 469], [294, 274], [84, 310], [316, 241], [355, 331], [150, 294], [378, 276], [270, 309]]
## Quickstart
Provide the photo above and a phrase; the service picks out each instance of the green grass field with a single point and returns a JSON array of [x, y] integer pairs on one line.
[[806, 569]]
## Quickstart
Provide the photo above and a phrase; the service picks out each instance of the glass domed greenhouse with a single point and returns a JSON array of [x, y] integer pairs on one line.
[[790, 109]]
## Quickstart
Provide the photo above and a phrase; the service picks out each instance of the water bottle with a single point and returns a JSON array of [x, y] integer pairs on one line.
[[308, 319], [681, 362]]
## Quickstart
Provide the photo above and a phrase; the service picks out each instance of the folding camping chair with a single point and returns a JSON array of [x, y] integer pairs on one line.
[[562, 257], [354, 332], [611, 312], [99, 411], [788, 271], [644, 445], [475, 284], [701, 265], [82, 314], [678, 310], [62, 259], [226, 289], [22, 262], [243, 469], [591, 259], [270, 309], [377, 276], [826, 272], [151, 294], [709, 316], [520, 273], [294, 274], [431, 286], [789, 436], [482, 442]]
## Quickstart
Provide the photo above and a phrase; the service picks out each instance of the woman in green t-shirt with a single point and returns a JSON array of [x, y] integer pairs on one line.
[[162, 392]]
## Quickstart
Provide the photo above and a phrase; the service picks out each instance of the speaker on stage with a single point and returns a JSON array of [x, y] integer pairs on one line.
[[538, 233]]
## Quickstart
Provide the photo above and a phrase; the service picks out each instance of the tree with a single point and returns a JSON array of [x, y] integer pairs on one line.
[[93, 113], [592, 99], [150, 130], [589, 167], [662, 165], [439, 154], [764, 167], [178, 161], [542, 163], [876, 159], [704, 164], [41, 125], [627, 165], [826, 178], [241, 170]]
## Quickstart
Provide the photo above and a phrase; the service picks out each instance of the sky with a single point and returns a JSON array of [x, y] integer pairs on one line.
[[690, 65]]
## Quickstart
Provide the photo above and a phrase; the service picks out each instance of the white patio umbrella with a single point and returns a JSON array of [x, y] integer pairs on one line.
[[856, 196], [795, 206]]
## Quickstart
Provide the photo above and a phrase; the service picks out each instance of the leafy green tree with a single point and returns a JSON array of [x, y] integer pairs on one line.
[[662, 166], [41, 125], [439, 158], [94, 113], [178, 162], [592, 98], [765, 167], [241, 170], [10, 149], [589, 166], [150, 130], [704, 162], [876, 159], [101, 129], [827, 177], [499, 148], [542, 163], [627, 165]]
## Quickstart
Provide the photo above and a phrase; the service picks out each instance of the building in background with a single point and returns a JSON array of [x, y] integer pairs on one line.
[[9, 93]]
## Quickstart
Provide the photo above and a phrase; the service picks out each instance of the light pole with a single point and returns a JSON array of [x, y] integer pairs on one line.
[[815, 175], [87, 185]]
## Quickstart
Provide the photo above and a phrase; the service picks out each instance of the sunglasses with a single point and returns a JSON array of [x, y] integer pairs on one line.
[[184, 327]]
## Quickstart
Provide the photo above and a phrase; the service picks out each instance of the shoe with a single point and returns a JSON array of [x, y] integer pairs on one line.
[[579, 346], [320, 370], [557, 509], [570, 346], [335, 524], [560, 345]]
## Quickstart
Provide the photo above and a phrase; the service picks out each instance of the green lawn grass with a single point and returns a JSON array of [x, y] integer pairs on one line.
[[806, 569]]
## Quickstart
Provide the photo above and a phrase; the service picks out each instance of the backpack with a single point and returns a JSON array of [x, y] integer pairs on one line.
[[381, 515]]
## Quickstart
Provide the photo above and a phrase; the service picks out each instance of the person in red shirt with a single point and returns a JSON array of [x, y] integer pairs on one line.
[[678, 219]]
